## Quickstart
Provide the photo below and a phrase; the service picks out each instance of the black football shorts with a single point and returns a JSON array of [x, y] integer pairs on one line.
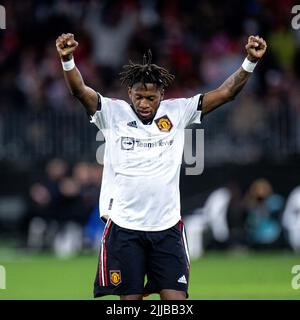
[[142, 262]]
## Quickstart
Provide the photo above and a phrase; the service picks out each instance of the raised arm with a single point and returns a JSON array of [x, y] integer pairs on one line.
[[66, 45], [256, 48]]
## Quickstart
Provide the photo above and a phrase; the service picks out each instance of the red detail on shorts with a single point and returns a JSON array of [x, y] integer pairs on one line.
[[180, 225], [105, 269], [104, 258], [99, 270]]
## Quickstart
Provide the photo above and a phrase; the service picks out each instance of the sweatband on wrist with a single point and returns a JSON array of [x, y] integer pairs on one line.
[[68, 65], [248, 65]]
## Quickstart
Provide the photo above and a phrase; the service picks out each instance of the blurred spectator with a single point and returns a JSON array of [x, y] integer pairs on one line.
[[213, 217], [263, 209], [61, 205], [110, 27], [215, 208], [44, 197], [235, 217], [291, 219], [196, 225], [70, 216], [93, 230], [88, 177], [283, 43]]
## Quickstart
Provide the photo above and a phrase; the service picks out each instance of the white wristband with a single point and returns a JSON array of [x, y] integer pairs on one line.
[[248, 65], [68, 65]]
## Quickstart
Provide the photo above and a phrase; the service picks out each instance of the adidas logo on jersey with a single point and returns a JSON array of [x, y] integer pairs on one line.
[[132, 124], [182, 280]]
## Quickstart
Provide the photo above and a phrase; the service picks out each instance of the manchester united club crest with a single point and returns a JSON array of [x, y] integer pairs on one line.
[[164, 123], [115, 277]]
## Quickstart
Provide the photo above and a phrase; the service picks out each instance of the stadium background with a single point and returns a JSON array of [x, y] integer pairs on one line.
[[48, 168]]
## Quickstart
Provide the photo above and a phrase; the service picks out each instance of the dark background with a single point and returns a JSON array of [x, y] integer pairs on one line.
[[201, 42]]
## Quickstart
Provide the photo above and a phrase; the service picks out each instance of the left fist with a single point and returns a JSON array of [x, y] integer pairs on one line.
[[256, 48]]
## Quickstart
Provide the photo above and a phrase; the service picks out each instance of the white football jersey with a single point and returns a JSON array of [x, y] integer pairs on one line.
[[140, 182]]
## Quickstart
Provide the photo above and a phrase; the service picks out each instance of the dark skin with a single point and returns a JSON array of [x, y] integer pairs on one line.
[[146, 100]]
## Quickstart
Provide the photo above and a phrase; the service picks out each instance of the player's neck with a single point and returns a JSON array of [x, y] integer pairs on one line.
[[145, 122]]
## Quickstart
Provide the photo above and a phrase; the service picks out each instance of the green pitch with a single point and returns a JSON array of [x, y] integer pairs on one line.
[[215, 276]]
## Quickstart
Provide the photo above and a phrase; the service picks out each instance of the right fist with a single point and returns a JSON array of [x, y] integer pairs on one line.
[[66, 45]]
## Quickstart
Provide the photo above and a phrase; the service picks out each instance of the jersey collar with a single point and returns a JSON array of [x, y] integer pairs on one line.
[[144, 122]]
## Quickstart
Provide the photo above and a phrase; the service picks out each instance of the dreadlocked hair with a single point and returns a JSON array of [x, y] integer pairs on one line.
[[145, 73]]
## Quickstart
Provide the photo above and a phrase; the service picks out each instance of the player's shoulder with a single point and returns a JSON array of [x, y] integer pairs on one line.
[[173, 102], [177, 101], [112, 103], [115, 101]]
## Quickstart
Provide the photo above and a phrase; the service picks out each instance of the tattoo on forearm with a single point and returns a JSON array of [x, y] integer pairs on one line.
[[226, 92], [236, 82]]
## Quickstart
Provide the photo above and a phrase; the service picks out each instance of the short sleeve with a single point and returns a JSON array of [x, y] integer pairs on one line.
[[101, 118], [192, 110]]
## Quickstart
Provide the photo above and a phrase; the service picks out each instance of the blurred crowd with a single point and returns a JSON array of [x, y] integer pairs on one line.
[[62, 209], [61, 214], [201, 42], [257, 219]]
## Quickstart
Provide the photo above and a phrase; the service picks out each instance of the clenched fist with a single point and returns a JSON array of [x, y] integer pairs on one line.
[[256, 48], [66, 45]]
